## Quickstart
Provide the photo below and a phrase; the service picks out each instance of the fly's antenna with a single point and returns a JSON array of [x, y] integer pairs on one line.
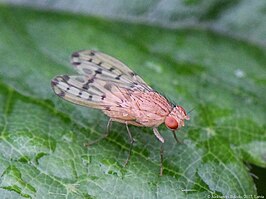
[[191, 110]]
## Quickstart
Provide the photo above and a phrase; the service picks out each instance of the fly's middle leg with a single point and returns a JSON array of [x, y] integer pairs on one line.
[[109, 124]]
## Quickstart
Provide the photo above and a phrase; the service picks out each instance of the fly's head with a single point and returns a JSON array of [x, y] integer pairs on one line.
[[176, 118]]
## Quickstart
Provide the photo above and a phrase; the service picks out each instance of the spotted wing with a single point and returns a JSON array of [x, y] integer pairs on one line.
[[104, 81], [96, 64], [80, 90]]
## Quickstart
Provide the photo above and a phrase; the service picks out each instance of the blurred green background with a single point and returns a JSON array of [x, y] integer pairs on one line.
[[204, 54]]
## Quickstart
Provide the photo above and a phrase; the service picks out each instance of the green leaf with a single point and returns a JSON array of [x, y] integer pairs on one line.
[[42, 137]]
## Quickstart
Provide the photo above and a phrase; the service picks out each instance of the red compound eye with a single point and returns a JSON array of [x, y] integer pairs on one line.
[[171, 122]]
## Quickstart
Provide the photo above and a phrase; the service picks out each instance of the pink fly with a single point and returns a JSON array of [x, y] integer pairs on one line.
[[107, 84]]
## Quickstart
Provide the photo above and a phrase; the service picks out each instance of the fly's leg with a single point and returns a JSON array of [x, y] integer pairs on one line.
[[160, 138], [131, 144], [161, 160], [109, 124], [177, 140], [158, 135]]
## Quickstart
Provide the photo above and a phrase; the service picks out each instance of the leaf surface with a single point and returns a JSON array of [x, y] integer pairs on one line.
[[42, 137]]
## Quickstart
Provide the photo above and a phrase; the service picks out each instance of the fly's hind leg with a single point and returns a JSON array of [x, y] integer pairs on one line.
[[131, 144], [109, 124]]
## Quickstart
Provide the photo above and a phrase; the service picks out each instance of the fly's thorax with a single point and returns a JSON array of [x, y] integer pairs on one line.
[[176, 118]]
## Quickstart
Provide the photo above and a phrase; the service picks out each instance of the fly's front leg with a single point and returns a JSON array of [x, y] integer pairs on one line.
[[109, 124], [177, 140], [160, 138], [158, 135], [161, 158]]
